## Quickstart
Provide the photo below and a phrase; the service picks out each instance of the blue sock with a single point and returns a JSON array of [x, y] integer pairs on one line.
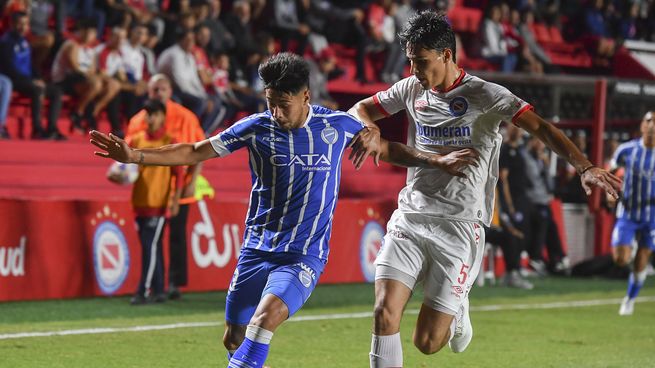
[[253, 350], [635, 282]]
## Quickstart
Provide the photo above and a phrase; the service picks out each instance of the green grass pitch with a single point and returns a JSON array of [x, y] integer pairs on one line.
[[542, 334]]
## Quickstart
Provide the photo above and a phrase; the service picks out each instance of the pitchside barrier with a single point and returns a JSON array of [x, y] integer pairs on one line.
[[67, 249]]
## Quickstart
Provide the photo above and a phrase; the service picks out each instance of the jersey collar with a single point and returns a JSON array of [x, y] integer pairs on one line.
[[455, 84]]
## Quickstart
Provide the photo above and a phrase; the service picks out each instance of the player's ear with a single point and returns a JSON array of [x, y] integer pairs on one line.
[[447, 55], [306, 96]]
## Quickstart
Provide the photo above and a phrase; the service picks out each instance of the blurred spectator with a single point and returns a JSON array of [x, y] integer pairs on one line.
[[540, 224], [5, 98], [16, 63], [41, 38], [203, 39], [238, 22], [179, 64], [597, 36], [235, 97], [318, 78], [208, 13], [612, 141], [525, 31], [136, 69], [530, 62], [86, 9], [569, 188], [382, 31], [153, 202], [341, 24], [75, 72], [287, 24], [111, 67], [494, 44], [184, 127], [172, 20], [504, 234]]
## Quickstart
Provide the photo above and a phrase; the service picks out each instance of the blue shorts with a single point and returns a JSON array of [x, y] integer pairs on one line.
[[625, 231], [289, 276]]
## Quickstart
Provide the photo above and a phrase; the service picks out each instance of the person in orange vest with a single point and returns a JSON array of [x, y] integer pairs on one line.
[[153, 203], [184, 127]]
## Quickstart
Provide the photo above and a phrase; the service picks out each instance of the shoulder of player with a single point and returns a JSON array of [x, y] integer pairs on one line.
[[627, 146]]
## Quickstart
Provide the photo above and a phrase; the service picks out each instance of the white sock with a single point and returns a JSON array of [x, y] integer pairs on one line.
[[386, 351], [258, 334]]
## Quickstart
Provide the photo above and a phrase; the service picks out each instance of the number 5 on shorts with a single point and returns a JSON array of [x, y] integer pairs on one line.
[[462, 274]]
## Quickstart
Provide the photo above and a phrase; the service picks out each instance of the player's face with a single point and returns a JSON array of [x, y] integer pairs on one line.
[[428, 66], [160, 90], [648, 127], [22, 25], [155, 121], [289, 111]]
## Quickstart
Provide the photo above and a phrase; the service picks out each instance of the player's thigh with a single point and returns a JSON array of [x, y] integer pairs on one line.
[[401, 256], [623, 235], [245, 291], [455, 256], [293, 279]]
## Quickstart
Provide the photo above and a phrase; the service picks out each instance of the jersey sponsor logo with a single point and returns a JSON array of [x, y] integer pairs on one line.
[[12, 260], [370, 245], [420, 105], [309, 162], [273, 139], [230, 141], [329, 135], [111, 257], [458, 106], [443, 132]]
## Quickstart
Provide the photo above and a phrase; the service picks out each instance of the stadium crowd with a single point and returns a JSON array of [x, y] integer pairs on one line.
[[100, 53]]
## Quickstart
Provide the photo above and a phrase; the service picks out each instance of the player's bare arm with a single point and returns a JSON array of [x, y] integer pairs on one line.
[[590, 175], [402, 155], [366, 143], [180, 154]]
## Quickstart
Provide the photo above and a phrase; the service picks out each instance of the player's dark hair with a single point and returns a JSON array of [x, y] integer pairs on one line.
[[285, 72], [153, 106], [429, 30], [85, 24]]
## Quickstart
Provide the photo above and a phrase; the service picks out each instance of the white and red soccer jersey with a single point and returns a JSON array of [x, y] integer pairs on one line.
[[134, 61], [467, 114], [110, 61]]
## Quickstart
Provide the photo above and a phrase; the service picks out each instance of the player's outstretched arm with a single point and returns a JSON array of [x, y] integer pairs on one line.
[[367, 142], [590, 175], [402, 155], [180, 154]]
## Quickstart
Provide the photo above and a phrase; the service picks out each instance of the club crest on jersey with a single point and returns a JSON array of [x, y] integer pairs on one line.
[[420, 105], [329, 135], [458, 106]]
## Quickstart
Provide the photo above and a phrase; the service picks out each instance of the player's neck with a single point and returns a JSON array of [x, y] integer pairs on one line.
[[453, 74], [648, 143]]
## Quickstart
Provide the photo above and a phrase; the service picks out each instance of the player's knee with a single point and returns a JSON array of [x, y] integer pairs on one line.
[[621, 258], [386, 320]]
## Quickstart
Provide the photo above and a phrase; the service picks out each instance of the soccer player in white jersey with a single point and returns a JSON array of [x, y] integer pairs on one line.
[[636, 210], [295, 159], [436, 235]]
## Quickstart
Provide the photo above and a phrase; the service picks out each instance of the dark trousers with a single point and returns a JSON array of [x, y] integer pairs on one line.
[[177, 266], [151, 230], [510, 245], [36, 93]]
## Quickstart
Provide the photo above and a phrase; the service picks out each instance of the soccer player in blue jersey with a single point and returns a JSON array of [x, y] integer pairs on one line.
[[636, 210], [295, 160]]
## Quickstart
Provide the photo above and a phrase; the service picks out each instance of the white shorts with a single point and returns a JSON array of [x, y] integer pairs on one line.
[[445, 254]]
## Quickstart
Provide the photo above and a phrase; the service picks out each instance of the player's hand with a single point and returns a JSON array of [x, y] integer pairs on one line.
[[456, 161], [597, 177], [366, 143], [115, 147]]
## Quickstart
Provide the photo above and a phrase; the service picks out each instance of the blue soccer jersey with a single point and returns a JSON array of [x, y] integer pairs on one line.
[[295, 178], [638, 199]]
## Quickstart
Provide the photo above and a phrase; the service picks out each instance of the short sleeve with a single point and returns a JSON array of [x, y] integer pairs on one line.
[[505, 104], [393, 99], [351, 126], [234, 137], [618, 159]]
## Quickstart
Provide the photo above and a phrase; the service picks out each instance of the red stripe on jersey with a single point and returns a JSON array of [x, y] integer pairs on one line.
[[520, 112], [376, 100], [455, 84]]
